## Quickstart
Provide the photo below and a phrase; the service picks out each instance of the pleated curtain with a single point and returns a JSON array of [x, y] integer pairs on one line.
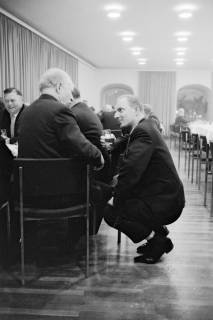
[[159, 89], [24, 56]]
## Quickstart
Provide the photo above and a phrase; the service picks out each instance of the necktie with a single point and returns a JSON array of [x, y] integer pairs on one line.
[[12, 125]]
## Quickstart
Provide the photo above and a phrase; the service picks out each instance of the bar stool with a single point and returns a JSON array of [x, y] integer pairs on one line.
[[194, 155], [173, 135], [208, 171], [184, 144], [203, 157], [211, 151]]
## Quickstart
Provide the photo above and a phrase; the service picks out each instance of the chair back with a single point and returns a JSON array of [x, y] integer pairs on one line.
[[50, 181]]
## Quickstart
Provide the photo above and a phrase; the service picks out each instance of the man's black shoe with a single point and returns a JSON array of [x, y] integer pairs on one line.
[[162, 231], [156, 248]]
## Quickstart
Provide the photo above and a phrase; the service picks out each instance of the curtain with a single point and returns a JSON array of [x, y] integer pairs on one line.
[[24, 56], [159, 89]]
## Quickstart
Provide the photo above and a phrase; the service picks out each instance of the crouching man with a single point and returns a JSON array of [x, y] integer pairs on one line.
[[149, 193]]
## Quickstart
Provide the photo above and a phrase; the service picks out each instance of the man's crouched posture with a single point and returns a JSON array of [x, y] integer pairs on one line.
[[149, 193]]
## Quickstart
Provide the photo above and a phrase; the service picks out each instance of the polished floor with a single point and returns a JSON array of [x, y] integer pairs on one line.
[[179, 287]]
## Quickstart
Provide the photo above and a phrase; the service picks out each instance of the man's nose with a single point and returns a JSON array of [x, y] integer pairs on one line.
[[116, 115]]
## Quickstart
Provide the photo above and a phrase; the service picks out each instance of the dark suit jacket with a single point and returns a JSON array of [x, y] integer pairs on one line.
[[109, 121], [148, 173], [49, 130], [90, 125], [5, 123]]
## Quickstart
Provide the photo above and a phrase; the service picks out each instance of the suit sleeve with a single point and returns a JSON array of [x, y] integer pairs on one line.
[[135, 162], [72, 139]]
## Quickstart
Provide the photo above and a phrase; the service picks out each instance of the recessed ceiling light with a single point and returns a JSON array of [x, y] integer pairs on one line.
[[183, 34], [179, 63], [180, 49], [142, 62], [136, 53], [182, 39], [127, 34], [179, 59], [185, 15], [114, 7], [114, 10], [113, 15], [186, 7], [180, 53], [127, 39]]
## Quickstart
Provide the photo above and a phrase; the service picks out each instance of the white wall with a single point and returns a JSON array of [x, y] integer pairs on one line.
[[186, 77], [87, 83], [116, 76], [92, 81]]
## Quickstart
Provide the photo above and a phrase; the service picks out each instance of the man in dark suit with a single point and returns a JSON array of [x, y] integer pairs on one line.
[[150, 115], [90, 125], [49, 130], [108, 120], [12, 114], [149, 193]]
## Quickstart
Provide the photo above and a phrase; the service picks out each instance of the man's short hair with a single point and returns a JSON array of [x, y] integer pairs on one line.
[[133, 101], [76, 93], [12, 89], [52, 77]]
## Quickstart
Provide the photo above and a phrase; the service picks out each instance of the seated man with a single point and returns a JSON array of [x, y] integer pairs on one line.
[[180, 120], [49, 129], [90, 125], [12, 114], [150, 115], [149, 193]]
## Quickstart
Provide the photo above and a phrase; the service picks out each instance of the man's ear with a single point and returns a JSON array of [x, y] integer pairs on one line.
[[58, 87]]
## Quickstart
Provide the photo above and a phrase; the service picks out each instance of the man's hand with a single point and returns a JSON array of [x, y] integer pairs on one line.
[[102, 164], [110, 202]]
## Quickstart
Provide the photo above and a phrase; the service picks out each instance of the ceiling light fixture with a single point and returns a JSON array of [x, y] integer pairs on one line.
[[136, 53], [127, 39], [179, 63], [180, 53], [127, 34], [142, 62], [113, 15], [185, 10], [114, 10], [114, 7], [183, 34], [180, 49], [186, 7], [179, 59], [182, 39], [185, 15]]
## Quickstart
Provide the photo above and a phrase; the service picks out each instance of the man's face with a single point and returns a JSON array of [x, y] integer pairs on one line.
[[125, 114], [13, 102]]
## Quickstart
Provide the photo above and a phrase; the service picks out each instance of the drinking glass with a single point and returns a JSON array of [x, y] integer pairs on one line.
[[4, 133]]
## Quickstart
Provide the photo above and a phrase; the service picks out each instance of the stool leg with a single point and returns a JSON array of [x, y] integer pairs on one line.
[[119, 237]]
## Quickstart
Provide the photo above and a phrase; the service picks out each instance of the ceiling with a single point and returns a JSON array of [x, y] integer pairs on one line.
[[82, 27]]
